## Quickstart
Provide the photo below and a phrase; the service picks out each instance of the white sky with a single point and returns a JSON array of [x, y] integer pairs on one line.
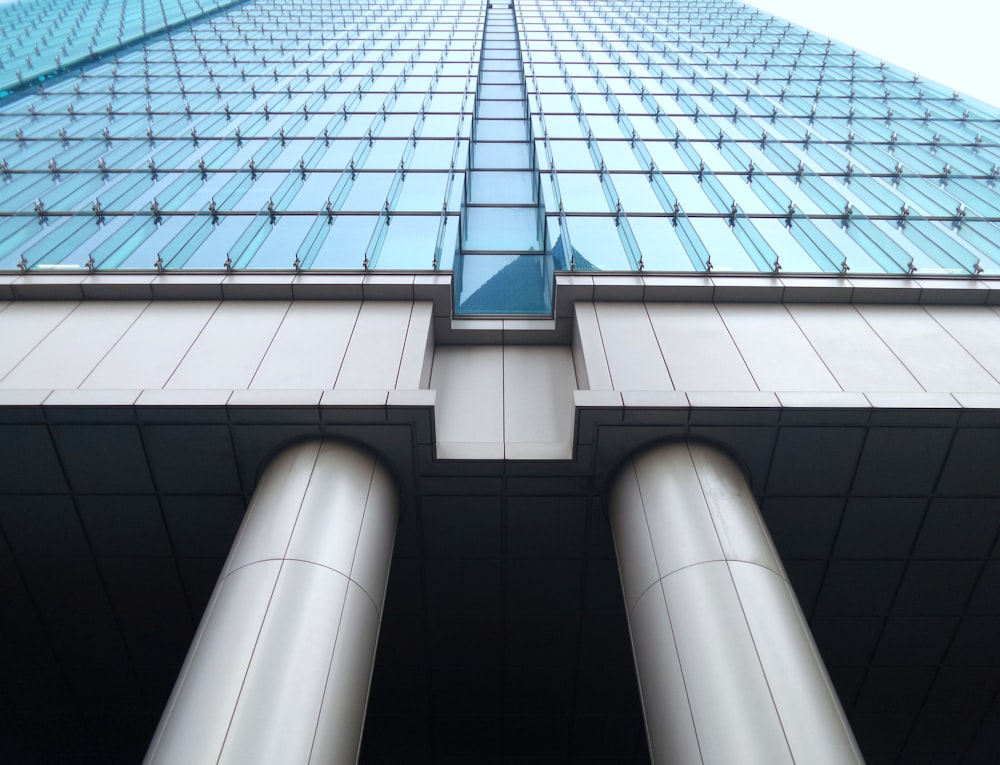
[[954, 42]]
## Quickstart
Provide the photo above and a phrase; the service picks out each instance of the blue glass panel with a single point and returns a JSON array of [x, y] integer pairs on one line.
[[598, 242], [503, 284], [501, 228], [409, 243], [500, 155], [344, 246], [497, 187]]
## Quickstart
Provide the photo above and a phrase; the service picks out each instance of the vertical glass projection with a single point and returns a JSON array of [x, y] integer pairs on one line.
[[502, 267]]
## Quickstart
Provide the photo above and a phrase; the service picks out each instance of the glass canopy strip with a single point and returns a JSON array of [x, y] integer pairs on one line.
[[315, 134]]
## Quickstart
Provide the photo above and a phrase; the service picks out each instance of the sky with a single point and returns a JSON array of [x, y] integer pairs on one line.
[[954, 42]]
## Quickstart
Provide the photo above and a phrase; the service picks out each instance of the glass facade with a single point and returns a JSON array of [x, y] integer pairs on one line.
[[500, 142], [43, 39]]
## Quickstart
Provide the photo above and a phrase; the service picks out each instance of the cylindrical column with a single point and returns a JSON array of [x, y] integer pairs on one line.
[[727, 667], [280, 666]]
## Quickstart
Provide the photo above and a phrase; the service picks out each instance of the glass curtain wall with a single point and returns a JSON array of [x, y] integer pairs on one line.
[[43, 38], [704, 135], [309, 134], [275, 135]]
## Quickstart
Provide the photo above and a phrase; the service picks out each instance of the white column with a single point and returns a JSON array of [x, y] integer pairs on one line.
[[280, 666], [727, 667]]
